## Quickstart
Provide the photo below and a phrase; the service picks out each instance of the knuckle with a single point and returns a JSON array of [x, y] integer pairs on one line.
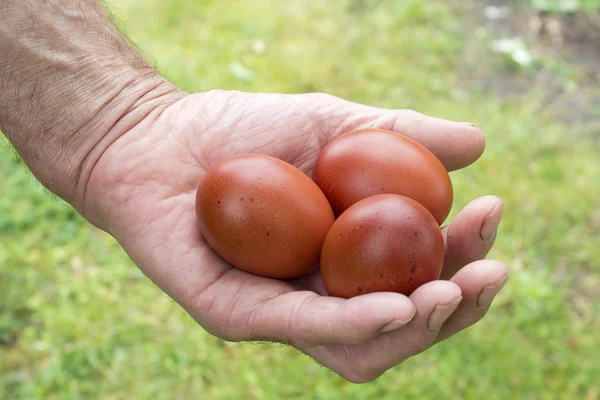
[[406, 117], [412, 115], [217, 314], [340, 326], [295, 325]]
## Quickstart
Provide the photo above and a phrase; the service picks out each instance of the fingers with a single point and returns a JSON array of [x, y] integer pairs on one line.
[[472, 233], [443, 308], [241, 307], [479, 282], [456, 144], [307, 319], [434, 302]]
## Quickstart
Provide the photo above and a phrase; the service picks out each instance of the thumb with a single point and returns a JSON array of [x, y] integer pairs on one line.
[[456, 144]]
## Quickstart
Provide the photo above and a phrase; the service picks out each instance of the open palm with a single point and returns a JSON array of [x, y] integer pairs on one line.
[[144, 186]]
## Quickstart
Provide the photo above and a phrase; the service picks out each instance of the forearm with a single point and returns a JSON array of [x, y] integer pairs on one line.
[[70, 84]]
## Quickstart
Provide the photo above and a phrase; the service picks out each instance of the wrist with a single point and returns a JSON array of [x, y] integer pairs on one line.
[[141, 95], [61, 142], [138, 105], [70, 84]]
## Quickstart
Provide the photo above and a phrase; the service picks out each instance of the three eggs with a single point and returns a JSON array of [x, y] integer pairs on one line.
[[369, 217]]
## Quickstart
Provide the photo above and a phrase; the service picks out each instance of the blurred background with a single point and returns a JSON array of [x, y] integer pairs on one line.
[[79, 321]]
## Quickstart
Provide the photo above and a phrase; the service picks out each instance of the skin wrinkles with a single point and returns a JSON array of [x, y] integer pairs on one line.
[[98, 127]]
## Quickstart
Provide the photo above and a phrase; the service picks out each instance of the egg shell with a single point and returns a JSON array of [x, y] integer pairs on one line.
[[384, 243], [367, 162], [263, 215]]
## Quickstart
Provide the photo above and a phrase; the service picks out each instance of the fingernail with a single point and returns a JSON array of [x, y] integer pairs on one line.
[[397, 323], [490, 225], [441, 313], [488, 293]]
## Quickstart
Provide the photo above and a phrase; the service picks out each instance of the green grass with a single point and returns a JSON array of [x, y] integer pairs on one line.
[[79, 321]]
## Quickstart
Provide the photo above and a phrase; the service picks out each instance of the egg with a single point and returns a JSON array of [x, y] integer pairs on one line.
[[263, 216], [367, 162], [384, 243]]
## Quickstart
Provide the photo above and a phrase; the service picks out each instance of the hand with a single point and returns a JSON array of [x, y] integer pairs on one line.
[[100, 129], [142, 190]]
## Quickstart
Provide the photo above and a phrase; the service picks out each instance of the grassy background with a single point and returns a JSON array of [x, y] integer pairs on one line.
[[78, 321]]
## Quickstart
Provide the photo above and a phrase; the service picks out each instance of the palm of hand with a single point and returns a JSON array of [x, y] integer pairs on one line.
[[145, 186]]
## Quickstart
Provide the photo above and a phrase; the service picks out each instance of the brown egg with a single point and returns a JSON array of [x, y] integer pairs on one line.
[[263, 216], [384, 243], [367, 162]]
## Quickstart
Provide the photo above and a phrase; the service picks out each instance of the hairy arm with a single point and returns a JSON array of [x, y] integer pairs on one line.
[[70, 84]]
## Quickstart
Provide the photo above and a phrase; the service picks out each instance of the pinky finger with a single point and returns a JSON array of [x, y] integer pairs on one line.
[[480, 282]]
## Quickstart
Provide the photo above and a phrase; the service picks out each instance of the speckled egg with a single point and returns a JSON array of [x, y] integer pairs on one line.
[[384, 243], [367, 162], [263, 216]]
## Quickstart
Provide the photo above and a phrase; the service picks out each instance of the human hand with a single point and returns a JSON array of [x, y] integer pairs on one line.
[[142, 191], [99, 128]]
